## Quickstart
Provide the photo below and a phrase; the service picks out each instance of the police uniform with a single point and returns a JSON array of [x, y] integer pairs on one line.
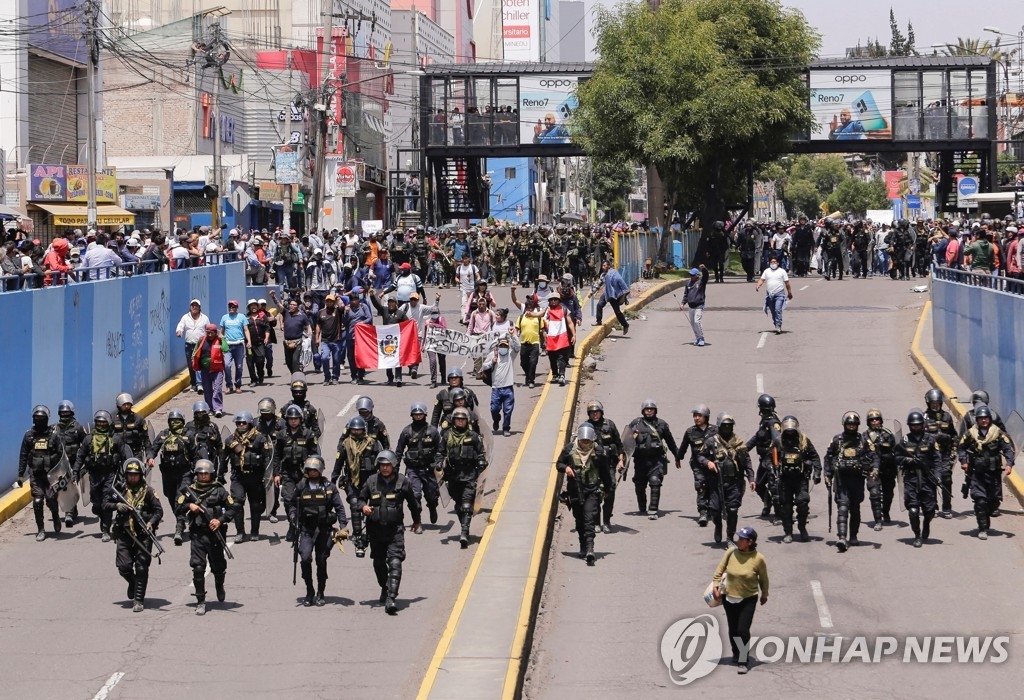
[[798, 462], [176, 460], [982, 455], [385, 527], [41, 451], [354, 462], [134, 431], [134, 546], [418, 444], [206, 545], [102, 455], [850, 458], [315, 507], [651, 437], [462, 458], [608, 437], [310, 416], [693, 439], [881, 489], [940, 425], [919, 457], [72, 434], [206, 444], [592, 476], [375, 429], [248, 453], [726, 485], [290, 452], [766, 438]]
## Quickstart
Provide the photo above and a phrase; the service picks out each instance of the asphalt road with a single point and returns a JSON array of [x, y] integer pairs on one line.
[[68, 630], [845, 348]]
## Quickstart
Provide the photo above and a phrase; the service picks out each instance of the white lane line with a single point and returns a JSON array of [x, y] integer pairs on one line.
[[806, 286], [762, 340], [108, 686], [760, 383], [349, 405], [824, 616]]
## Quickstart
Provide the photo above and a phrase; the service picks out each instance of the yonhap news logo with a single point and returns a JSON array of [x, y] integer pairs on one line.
[[691, 648]]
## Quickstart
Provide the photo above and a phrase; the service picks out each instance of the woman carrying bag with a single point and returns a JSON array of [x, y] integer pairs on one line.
[[745, 573]]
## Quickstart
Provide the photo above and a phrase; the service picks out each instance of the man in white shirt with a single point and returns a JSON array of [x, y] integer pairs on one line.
[[467, 274], [192, 327], [777, 290]]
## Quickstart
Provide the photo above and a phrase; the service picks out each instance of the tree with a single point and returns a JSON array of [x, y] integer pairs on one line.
[[613, 179], [801, 196], [900, 44], [828, 172], [856, 196], [978, 47], [699, 89]]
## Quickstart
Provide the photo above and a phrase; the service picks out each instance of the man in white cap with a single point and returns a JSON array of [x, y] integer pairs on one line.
[[192, 327]]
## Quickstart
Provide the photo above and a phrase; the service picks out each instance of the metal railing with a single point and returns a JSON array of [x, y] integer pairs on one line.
[[993, 281], [633, 250], [32, 280]]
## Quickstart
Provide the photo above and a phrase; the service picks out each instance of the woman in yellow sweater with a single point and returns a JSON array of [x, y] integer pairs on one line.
[[746, 572]]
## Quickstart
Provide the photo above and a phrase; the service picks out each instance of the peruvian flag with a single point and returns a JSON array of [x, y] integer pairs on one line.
[[387, 347]]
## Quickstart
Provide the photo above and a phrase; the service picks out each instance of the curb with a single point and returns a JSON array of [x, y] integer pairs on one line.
[[18, 498], [1014, 481]]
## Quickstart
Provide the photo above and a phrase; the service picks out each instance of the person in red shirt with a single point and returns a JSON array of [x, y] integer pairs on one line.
[[208, 360], [559, 334], [55, 263]]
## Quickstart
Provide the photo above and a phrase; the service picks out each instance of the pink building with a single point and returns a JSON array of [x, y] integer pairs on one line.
[[454, 16]]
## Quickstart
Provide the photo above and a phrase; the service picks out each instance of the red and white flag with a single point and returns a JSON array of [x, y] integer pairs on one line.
[[387, 347]]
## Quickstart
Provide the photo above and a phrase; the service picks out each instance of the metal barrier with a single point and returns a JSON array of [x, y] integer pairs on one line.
[[52, 278], [995, 282], [634, 248]]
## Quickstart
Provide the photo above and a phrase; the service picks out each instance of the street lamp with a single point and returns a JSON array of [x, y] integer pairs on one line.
[[1020, 52]]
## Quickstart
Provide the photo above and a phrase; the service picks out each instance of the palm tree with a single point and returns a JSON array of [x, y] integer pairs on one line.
[[978, 47]]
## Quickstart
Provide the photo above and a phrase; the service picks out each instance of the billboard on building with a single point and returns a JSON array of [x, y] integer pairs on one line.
[[851, 104], [545, 104], [68, 183], [58, 27], [521, 29]]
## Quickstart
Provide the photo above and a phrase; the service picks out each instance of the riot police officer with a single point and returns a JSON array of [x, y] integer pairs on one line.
[[292, 445], [418, 444], [608, 438], [374, 425], [102, 456], [462, 458], [798, 463], [310, 415], [133, 428], [849, 459], [269, 424], [381, 499], [651, 436], [939, 423], [693, 439], [176, 459], [248, 452], [586, 466], [727, 461], [41, 450], [354, 462], [443, 403], [981, 452], [980, 398], [204, 438], [134, 545], [206, 505], [459, 398], [766, 442], [315, 507], [920, 459], [72, 434], [880, 489]]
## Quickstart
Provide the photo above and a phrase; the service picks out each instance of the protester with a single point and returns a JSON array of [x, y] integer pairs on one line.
[[192, 326], [208, 359], [500, 362], [746, 574], [778, 291]]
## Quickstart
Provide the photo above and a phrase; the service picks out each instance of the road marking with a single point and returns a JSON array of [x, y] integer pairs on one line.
[[824, 616], [806, 286], [108, 686], [345, 410], [760, 383], [762, 340]]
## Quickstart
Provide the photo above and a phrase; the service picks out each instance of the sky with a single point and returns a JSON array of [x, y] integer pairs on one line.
[[841, 24]]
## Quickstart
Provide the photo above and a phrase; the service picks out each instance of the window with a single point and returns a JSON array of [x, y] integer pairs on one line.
[[510, 173]]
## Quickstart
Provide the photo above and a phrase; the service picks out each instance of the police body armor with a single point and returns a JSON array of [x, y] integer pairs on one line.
[[605, 433], [245, 456], [361, 460], [314, 506], [698, 437], [72, 435], [940, 425], [649, 444], [986, 455], [725, 458], [138, 500], [296, 449], [420, 448], [884, 442], [174, 452], [850, 457], [791, 459], [102, 456], [386, 505], [916, 451], [133, 431], [46, 450], [463, 456]]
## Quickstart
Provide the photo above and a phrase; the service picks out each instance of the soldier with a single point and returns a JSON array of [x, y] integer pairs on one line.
[[101, 455], [269, 425], [798, 462], [354, 462], [694, 438], [133, 428], [374, 425], [939, 423], [880, 489], [292, 445], [462, 458], [979, 453], [651, 436], [248, 452], [315, 506], [609, 439], [418, 444], [727, 462], [204, 437], [832, 244], [421, 253], [499, 253], [72, 434], [443, 404], [134, 544], [586, 464], [920, 459], [41, 451], [849, 459], [380, 501], [766, 441], [310, 415], [176, 459], [207, 505]]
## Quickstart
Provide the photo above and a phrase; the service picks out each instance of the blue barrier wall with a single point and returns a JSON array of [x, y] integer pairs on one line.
[[87, 342], [633, 249], [979, 333]]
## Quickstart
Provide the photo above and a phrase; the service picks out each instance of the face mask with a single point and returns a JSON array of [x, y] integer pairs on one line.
[[503, 351], [775, 266], [434, 317], [542, 285]]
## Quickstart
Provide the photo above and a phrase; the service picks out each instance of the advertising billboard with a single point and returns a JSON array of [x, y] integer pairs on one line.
[[67, 183], [851, 105], [58, 26], [545, 104], [520, 29]]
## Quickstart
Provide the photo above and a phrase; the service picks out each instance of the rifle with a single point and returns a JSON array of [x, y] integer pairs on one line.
[[141, 523], [828, 485], [295, 557], [218, 533]]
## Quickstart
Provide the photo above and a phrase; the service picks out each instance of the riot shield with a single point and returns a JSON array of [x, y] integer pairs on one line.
[[897, 430], [268, 479], [628, 446], [321, 420], [62, 484], [223, 464], [85, 486], [1015, 431], [488, 440]]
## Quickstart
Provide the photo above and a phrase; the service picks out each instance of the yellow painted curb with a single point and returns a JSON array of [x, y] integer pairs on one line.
[[1015, 482], [17, 499]]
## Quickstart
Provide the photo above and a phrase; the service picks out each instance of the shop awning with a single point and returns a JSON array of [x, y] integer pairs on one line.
[[78, 215]]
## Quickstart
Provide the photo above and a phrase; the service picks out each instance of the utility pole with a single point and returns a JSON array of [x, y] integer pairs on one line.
[[92, 38], [320, 103], [218, 179]]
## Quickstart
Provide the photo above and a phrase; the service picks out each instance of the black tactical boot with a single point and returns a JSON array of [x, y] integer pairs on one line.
[[141, 582], [178, 532], [432, 509], [218, 581], [321, 583]]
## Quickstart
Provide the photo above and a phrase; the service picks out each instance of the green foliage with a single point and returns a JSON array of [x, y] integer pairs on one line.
[[805, 182], [900, 44], [613, 179], [979, 47], [855, 195], [697, 88], [802, 197]]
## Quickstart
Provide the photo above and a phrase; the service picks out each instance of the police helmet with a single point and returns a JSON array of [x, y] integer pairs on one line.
[[175, 415], [418, 408], [765, 402], [243, 417], [357, 423], [455, 372], [364, 403], [980, 396], [387, 457], [460, 413], [204, 466], [746, 533], [586, 432], [702, 410], [719, 225], [41, 411], [595, 406], [65, 407], [200, 407], [292, 411], [124, 398], [725, 419], [458, 394], [298, 386], [933, 396], [790, 424], [851, 418], [915, 418], [134, 466], [648, 403], [267, 406], [982, 411], [903, 223], [874, 414], [313, 463]]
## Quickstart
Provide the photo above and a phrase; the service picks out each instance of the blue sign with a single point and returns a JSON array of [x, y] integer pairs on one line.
[[967, 186], [913, 201]]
